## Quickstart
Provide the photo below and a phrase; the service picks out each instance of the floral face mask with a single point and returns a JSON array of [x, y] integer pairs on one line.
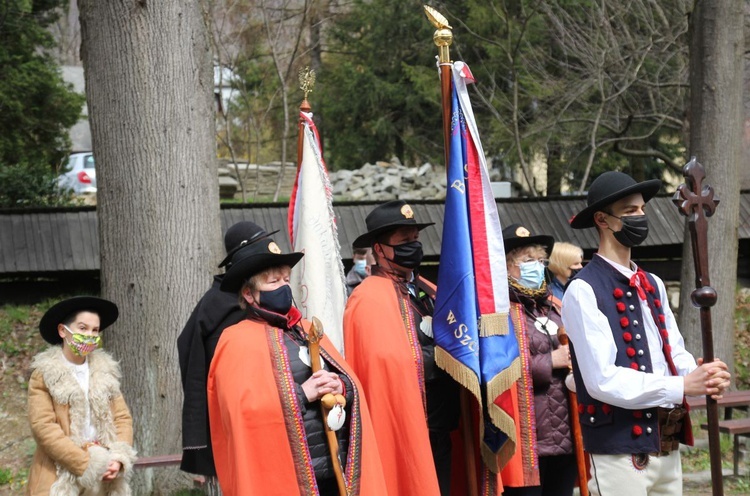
[[82, 344]]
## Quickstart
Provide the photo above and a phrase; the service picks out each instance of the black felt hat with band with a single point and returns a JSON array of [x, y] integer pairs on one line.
[[240, 234], [57, 314], [516, 236], [386, 217], [607, 189], [253, 258]]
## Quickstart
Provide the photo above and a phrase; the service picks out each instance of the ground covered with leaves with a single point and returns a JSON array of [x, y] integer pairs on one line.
[[19, 342]]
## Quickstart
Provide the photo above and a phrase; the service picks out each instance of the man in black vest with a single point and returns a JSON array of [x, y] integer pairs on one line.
[[630, 365]]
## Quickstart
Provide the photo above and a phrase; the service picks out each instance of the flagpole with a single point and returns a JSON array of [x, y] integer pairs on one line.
[[315, 333], [443, 38]]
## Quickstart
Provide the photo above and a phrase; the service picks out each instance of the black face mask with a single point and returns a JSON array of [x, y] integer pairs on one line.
[[407, 255], [277, 301], [634, 230], [573, 273]]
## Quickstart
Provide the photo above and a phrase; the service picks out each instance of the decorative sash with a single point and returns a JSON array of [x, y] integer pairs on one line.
[[295, 426], [294, 422], [525, 393], [410, 326]]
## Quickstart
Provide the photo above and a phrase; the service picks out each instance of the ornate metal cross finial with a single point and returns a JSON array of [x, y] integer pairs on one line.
[[306, 80], [696, 201], [693, 195]]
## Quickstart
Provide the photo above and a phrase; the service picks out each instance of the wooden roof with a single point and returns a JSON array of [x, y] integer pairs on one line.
[[50, 241]]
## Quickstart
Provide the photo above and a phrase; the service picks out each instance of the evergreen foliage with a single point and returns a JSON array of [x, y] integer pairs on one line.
[[379, 87], [36, 106]]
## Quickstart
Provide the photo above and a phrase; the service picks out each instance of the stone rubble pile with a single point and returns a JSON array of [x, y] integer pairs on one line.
[[372, 182], [388, 181]]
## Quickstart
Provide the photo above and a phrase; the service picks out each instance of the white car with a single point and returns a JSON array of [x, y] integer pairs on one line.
[[80, 174]]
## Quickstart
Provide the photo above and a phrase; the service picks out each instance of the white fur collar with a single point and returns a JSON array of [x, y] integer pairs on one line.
[[104, 385]]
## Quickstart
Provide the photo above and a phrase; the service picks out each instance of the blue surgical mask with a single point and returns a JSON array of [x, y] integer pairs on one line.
[[532, 274], [360, 267]]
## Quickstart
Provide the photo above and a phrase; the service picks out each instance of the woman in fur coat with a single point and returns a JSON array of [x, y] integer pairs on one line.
[[81, 424]]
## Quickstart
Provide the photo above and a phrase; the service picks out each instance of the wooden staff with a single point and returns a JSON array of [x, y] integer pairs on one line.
[[697, 202], [443, 38], [315, 334], [575, 425]]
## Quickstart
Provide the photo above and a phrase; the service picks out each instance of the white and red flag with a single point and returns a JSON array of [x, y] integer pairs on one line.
[[318, 280]]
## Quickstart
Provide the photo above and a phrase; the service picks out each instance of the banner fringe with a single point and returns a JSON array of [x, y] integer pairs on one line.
[[493, 324], [497, 386], [495, 462], [490, 459], [460, 372]]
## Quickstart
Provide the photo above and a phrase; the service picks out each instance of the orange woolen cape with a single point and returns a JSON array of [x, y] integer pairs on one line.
[[249, 435], [379, 351]]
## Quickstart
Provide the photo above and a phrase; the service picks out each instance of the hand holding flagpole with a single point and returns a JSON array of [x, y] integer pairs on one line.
[[696, 201]]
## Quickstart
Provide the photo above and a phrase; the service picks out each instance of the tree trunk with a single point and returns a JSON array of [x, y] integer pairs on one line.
[[716, 48], [149, 90]]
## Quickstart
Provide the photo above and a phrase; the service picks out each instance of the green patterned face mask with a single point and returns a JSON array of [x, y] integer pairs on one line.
[[82, 344]]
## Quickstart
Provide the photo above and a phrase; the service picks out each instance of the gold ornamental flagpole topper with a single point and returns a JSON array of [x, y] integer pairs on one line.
[[306, 81], [443, 36]]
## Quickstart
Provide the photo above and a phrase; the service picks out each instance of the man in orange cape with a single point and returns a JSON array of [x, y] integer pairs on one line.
[[267, 428], [388, 343]]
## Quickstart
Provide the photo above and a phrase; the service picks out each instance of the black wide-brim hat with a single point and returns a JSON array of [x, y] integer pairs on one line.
[[517, 236], [386, 217], [607, 189], [241, 234], [253, 258], [106, 310]]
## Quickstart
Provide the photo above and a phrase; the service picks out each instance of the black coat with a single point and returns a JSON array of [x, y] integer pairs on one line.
[[216, 311]]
